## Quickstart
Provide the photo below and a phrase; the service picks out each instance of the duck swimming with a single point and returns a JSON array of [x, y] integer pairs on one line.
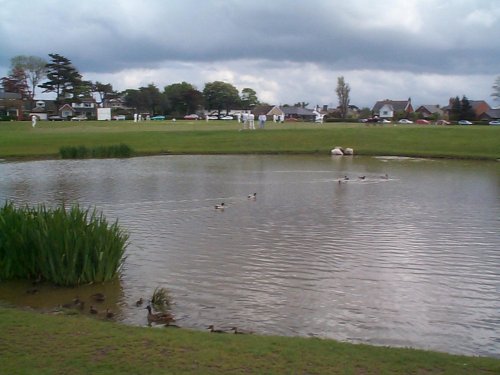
[[98, 297], [159, 317], [252, 196], [219, 206]]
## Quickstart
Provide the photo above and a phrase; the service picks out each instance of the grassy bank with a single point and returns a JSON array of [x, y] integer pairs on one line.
[[47, 344], [19, 139]]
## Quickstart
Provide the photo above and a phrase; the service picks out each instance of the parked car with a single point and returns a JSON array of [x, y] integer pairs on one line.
[[55, 118], [494, 122], [226, 118], [158, 117], [464, 122], [79, 118], [191, 117], [422, 122], [212, 117], [442, 122], [119, 117], [405, 121], [384, 121]]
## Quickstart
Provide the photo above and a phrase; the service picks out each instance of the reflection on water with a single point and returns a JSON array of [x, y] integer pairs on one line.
[[412, 260]]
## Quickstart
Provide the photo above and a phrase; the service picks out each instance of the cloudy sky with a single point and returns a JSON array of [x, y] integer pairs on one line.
[[287, 50]]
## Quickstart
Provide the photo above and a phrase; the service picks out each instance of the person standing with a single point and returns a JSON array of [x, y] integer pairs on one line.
[[251, 121], [33, 121], [262, 121]]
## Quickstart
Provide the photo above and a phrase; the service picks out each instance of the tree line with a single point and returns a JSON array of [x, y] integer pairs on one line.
[[60, 77]]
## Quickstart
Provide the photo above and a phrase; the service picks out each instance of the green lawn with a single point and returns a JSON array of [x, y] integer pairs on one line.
[[19, 139], [34, 343]]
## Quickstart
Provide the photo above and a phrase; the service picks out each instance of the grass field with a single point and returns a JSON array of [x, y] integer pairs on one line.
[[19, 139], [45, 344], [33, 343]]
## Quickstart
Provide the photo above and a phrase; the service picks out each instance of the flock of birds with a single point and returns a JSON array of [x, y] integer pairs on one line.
[[222, 205], [346, 178], [165, 318]]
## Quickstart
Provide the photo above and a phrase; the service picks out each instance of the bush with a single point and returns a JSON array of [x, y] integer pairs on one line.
[[82, 152], [66, 247]]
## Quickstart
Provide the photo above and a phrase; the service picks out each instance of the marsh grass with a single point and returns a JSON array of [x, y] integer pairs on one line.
[[64, 246], [161, 299], [82, 152]]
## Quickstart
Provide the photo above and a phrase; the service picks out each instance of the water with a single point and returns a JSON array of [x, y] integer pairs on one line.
[[412, 260]]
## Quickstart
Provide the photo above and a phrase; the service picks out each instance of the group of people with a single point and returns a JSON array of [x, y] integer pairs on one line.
[[248, 120]]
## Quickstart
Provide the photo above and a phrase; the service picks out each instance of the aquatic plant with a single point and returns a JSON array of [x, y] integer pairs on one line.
[[82, 152], [64, 246], [160, 299]]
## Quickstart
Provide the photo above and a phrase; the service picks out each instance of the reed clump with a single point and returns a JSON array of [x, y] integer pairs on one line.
[[83, 152], [64, 246], [161, 299]]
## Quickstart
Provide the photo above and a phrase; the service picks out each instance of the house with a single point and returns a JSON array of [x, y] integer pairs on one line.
[[84, 107], [478, 106], [43, 109], [304, 114], [11, 104], [391, 108], [268, 110], [430, 110], [67, 111], [491, 114]]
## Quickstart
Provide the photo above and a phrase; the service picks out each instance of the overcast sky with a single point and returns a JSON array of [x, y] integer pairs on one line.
[[286, 50]]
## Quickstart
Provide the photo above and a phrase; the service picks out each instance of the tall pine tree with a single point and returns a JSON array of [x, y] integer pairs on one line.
[[63, 79]]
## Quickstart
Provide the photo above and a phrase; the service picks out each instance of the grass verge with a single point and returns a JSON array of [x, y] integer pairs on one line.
[[46, 344], [19, 139]]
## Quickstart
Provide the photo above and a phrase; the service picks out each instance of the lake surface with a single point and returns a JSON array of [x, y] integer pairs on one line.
[[411, 260]]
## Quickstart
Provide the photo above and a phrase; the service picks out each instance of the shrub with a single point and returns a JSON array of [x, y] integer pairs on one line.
[[66, 247], [82, 152]]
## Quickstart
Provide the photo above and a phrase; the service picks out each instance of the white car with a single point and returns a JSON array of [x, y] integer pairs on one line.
[[405, 121], [79, 118], [494, 122], [226, 118], [464, 122], [119, 117]]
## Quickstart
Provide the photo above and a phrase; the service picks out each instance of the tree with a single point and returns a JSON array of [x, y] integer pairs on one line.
[[301, 104], [455, 108], [104, 91], [343, 91], [63, 79], [248, 98], [221, 96], [146, 99], [467, 112], [496, 89], [183, 98], [16, 82], [34, 69]]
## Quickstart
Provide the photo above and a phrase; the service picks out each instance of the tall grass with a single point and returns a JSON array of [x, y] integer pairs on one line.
[[66, 247], [82, 152]]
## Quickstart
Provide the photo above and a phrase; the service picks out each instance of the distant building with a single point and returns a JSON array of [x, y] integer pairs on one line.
[[390, 108]]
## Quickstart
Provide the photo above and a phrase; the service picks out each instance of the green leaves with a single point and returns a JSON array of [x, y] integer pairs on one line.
[[64, 246]]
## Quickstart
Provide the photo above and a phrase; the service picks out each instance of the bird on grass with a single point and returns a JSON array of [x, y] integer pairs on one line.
[[212, 329], [220, 206], [93, 310], [237, 331], [109, 314], [159, 317]]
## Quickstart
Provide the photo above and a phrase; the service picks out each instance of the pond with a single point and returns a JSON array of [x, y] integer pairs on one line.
[[330, 247]]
